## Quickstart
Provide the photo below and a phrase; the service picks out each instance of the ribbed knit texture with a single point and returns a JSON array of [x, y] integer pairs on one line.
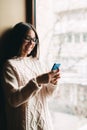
[[26, 112]]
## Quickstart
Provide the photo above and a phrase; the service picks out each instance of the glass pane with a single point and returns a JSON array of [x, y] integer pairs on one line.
[[62, 30]]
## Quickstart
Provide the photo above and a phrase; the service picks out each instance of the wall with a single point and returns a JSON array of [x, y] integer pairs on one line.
[[11, 12]]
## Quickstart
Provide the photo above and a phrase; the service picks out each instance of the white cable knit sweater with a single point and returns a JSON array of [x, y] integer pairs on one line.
[[26, 102]]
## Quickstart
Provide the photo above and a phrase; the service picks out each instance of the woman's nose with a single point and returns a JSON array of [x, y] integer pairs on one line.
[[32, 44]]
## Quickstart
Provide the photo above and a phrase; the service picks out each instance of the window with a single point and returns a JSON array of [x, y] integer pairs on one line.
[[30, 11], [62, 30], [85, 37]]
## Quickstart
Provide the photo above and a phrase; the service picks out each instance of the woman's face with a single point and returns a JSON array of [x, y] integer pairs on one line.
[[29, 43]]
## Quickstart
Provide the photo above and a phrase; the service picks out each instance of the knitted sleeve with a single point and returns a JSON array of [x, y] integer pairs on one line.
[[50, 89], [16, 95]]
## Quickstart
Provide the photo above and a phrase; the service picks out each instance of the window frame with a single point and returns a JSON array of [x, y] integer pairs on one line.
[[31, 12]]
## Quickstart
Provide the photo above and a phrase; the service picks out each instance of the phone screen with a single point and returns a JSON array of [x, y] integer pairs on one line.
[[56, 66]]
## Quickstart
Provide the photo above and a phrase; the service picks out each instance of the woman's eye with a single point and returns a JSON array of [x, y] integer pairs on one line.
[[34, 40]]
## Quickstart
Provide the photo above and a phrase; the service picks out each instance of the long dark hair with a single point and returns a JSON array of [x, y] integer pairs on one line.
[[18, 33], [13, 38]]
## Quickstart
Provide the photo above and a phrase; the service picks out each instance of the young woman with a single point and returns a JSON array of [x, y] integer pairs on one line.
[[26, 82]]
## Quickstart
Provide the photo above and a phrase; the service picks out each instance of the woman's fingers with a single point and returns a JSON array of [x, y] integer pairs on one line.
[[54, 76], [54, 81]]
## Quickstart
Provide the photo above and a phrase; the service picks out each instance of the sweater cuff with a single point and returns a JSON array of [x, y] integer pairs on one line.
[[35, 81], [52, 85]]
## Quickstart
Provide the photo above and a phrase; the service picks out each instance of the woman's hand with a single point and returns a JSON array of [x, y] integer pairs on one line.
[[50, 77], [54, 76]]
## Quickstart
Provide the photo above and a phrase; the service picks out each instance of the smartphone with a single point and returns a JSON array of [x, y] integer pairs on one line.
[[56, 66]]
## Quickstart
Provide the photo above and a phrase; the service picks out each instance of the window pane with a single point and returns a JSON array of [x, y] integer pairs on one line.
[[62, 30]]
